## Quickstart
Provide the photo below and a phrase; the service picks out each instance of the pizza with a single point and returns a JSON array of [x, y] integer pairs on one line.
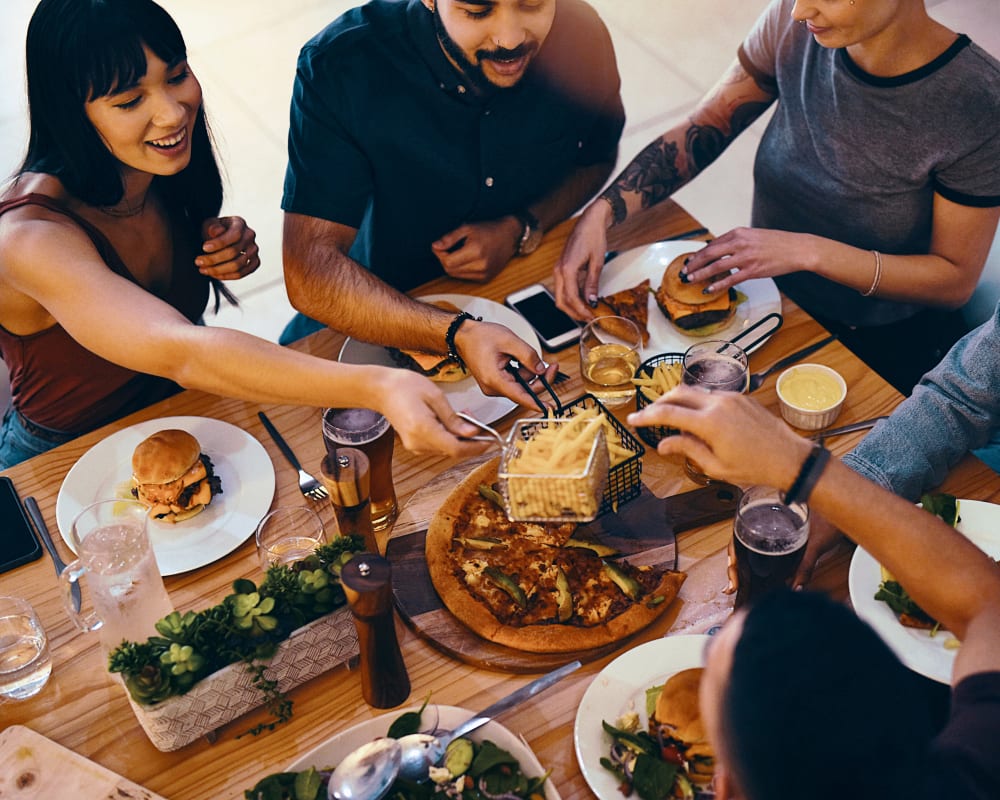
[[632, 304], [533, 586]]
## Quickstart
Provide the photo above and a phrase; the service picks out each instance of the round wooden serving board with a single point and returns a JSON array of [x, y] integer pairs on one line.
[[422, 610]]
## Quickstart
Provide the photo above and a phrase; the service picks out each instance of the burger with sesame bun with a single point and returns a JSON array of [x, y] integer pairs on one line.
[[172, 476], [686, 305]]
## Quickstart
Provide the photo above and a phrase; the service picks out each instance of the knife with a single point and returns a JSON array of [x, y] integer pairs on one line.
[[854, 426], [31, 506]]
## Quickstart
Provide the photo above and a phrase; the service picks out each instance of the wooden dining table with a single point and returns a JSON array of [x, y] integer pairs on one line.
[[84, 709]]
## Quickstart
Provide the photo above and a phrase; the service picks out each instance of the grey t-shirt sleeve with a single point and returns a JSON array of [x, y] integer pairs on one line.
[[954, 409], [759, 51]]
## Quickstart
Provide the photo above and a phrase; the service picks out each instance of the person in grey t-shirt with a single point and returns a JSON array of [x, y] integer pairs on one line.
[[877, 181]]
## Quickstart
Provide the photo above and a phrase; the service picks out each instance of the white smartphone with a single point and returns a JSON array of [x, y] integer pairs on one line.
[[554, 327]]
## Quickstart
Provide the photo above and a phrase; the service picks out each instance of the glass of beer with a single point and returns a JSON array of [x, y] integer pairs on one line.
[[717, 366], [371, 433], [609, 356], [769, 538]]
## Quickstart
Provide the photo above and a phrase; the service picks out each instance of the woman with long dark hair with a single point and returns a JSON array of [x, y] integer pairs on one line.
[[110, 240]]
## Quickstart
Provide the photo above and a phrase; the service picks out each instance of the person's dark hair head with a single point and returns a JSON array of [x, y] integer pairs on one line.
[[818, 706], [79, 50]]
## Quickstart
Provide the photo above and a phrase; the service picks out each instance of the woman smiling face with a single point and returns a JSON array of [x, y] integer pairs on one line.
[[841, 23], [147, 126]]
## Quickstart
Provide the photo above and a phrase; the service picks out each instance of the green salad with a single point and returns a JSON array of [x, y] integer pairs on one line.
[[469, 771]]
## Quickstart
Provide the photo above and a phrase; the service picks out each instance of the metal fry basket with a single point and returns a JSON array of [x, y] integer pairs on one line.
[[532, 496]]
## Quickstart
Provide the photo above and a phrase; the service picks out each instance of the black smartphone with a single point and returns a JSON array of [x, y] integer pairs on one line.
[[18, 542], [555, 328]]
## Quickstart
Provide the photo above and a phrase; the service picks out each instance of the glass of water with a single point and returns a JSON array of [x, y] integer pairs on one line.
[[25, 662], [716, 366]]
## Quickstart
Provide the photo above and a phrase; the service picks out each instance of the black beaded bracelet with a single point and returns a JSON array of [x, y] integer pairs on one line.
[[812, 468], [449, 337]]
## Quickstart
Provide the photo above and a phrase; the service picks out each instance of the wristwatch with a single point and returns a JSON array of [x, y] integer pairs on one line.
[[531, 233]]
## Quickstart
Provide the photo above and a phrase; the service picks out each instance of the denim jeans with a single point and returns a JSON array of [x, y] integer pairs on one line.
[[20, 439]]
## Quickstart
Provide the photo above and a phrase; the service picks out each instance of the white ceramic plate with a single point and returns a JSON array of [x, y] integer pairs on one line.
[[463, 395], [631, 267], [980, 522], [334, 749], [242, 463], [620, 687]]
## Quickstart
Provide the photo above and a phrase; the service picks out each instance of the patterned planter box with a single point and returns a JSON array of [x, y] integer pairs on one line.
[[229, 693]]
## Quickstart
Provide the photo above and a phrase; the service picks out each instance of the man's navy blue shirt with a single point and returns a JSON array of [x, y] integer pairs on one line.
[[387, 137]]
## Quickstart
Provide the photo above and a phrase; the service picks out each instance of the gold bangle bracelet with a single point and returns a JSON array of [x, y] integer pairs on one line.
[[878, 275]]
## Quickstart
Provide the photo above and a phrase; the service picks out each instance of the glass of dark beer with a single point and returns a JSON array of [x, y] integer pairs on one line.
[[718, 366], [769, 538], [371, 433]]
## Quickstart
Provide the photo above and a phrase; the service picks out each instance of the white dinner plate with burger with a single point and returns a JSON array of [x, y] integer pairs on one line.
[[925, 654], [464, 395], [333, 750], [633, 266], [104, 472], [620, 688]]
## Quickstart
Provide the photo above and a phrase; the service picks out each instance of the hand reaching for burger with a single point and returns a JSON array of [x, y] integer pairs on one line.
[[745, 253]]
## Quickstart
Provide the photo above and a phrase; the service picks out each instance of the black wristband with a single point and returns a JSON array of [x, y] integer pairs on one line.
[[812, 468], [449, 337]]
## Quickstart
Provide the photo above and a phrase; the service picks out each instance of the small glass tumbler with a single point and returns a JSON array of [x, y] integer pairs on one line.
[[25, 662], [610, 352], [287, 534], [715, 365]]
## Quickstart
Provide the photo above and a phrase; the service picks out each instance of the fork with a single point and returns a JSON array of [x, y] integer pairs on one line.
[[308, 485]]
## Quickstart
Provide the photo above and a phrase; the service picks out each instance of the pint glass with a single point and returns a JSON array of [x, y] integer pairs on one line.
[[769, 538], [371, 433]]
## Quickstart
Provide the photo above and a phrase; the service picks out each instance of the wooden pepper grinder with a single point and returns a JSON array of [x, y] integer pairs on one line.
[[367, 585], [347, 476]]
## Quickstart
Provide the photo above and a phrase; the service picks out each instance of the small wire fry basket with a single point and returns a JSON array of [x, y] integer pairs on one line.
[[554, 495]]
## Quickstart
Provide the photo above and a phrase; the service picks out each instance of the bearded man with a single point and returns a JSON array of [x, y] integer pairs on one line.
[[433, 137]]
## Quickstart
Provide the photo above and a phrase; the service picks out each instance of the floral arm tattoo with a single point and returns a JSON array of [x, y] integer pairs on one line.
[[657, 172]]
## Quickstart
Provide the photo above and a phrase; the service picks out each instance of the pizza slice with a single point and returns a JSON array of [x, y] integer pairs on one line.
[[633, 304]]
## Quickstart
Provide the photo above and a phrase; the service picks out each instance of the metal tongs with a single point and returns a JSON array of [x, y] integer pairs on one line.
[[514, 368], [491, 433], [776, 321]]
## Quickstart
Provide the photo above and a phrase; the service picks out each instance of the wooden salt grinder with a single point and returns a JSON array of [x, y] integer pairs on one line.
[[366, 579], [347, 476]]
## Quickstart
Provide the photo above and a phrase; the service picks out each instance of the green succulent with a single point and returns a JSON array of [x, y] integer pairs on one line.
[[149, 685], [182, 659], [175, 626], [252, 613]]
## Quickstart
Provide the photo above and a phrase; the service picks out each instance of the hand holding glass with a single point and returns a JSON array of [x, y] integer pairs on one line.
[[716, 366]]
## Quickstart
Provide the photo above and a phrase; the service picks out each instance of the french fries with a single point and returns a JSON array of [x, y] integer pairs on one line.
[[617, 452], [550, 475], [663, 378]]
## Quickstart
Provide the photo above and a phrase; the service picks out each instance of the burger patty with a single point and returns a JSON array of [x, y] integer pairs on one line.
[[213, 481]]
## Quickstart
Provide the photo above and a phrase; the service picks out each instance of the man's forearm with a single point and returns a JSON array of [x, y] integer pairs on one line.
[[324, 283]]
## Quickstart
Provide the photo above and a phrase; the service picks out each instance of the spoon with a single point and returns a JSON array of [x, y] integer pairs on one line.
[[370, 771]]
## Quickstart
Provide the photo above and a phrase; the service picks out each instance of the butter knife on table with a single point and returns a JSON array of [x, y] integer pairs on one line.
[[31, 506]]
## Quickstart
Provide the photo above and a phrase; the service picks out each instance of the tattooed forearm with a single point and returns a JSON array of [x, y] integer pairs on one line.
[[614, 197], [654, 174]]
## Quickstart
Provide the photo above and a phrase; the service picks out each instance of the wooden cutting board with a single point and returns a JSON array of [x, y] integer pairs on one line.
[[32, 766], [640, 525]]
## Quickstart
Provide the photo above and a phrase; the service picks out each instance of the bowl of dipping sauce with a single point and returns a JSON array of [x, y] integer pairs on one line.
[[811, 395]]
